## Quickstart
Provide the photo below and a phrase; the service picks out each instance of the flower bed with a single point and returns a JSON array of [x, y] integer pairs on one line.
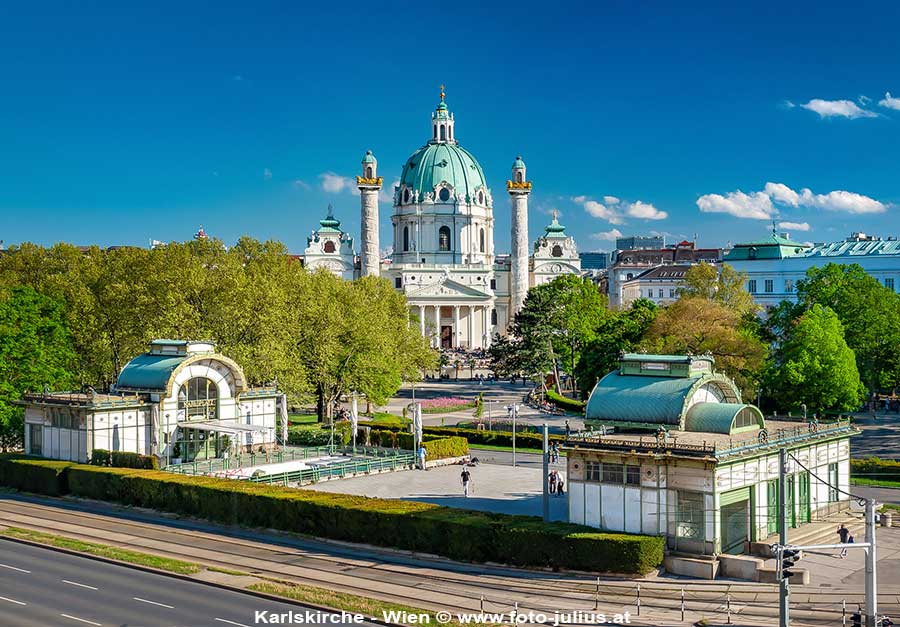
[[446, 404]]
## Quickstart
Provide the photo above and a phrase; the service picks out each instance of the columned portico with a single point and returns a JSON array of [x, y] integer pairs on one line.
[[456, 325]]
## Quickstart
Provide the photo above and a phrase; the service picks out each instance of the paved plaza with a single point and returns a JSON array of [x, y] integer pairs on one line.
[[495, 488]]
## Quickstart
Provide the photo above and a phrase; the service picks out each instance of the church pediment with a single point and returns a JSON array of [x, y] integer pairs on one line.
[[447, 288]]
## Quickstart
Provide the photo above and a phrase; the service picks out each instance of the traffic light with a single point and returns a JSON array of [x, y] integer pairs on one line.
[[789, 557]]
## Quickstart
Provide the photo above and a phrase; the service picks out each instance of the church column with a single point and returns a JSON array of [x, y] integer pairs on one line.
[[457, 335], [471, 317], [484, 327], [422, 318], [487, 326], [437, 326]]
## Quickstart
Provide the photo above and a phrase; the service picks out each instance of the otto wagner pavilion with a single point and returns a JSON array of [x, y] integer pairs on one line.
[[178, 392], [689, 460]]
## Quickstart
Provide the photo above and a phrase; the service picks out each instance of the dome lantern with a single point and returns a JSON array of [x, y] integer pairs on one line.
[[442, 123]]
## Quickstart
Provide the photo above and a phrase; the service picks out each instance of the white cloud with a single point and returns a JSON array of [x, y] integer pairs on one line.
[[609, 236], [838, 108], [603, 212], [301, 184], [890, 102], [579, 199], [267, 174], [780, 192], [335, 183], [794, 226], [611, 200], [387, 192], [787, 104], [840, 200], [863, 100], [757, 205], [645, 211]]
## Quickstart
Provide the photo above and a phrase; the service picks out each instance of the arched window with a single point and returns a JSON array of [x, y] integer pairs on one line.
[[435, 131], [520, 178], [199, 399], [444, 238], [443, 133], [557, 251], [493, 316], [405, 238], [406, 195], [329, 247], [368, 172], [481, 240], [480, 198], [444, 194]]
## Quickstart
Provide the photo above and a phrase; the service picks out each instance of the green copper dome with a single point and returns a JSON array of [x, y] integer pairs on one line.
[[518, 163], [440, 164], [369, 158], [555, 229], [330, 224]]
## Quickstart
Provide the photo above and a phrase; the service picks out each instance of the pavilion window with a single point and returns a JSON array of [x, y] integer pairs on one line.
[[833, 480], [444, 239], [592, 471], [632, 475], [613, 473], [199, 399], [690, 515]]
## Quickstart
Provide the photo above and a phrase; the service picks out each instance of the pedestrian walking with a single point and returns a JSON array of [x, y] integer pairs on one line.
[[551, 480], [567, 429], [560, 485], [556, 452], [845, 536], [466, 478], [422, 455]]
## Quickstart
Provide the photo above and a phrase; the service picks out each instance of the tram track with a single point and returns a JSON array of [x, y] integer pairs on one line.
[[438, 586]]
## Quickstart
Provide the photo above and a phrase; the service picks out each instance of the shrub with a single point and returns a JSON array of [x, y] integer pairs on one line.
[[442, 448], [875, 468], [100, 457], [43, 476], [565, 403], [495, 438], [454, 533], [122, 459]]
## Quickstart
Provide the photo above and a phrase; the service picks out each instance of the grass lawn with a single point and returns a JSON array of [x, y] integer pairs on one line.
[[519, 449], [302, 419], [102, 550]]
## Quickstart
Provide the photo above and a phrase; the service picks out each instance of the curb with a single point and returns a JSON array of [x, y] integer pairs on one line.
[[214, 584]]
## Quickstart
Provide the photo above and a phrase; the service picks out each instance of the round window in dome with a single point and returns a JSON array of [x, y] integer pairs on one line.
[[405, 195], [444, 194], [480, 198], [557, 251]]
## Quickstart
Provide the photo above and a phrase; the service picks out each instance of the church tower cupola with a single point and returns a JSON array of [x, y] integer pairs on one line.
[[442, 123], [369, 166]]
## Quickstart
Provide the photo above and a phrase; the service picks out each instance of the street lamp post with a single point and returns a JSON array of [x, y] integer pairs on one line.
[[513, 411]]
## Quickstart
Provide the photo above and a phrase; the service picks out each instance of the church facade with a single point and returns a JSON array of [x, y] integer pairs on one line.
[[460, 289]]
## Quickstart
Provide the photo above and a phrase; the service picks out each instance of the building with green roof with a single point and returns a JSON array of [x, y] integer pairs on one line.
[[671, 449], [179, 401]]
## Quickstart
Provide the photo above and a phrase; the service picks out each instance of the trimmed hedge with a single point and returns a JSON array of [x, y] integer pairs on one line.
[[454, 533], [435, 447], [495, 438], [43, 476], [565, 403], [875, 468], [121, 459]]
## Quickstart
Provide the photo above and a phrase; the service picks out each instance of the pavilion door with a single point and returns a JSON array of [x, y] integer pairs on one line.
[[804, 498], [790, 480], [772, 506], [447, 336], [734, 507]]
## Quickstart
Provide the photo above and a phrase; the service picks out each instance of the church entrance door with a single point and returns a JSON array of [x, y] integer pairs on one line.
[[447, 336]]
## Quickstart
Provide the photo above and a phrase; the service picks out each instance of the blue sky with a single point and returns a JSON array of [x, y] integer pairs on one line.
[[122, 122]]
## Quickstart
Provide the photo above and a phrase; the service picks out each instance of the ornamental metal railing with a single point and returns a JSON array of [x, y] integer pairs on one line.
[[664, 443]]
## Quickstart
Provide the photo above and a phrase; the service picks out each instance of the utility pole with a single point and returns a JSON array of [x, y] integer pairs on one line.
[[546, 501], [871, 579], [515, 411], [784, 587]]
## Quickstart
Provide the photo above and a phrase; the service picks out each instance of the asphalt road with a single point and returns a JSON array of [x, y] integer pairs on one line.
[[44, 588]]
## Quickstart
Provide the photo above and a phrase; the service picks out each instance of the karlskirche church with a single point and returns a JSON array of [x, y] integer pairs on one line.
[[443, 257]]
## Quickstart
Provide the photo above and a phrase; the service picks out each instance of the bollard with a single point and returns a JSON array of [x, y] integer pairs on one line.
[[682, 605], [728, 607], [844, 613], [481, 604], [516, 613], [597, 595], [639, 599]]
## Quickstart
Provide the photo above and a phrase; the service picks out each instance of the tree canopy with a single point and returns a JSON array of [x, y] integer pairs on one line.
[[311, 331], [814, 365], [35, 350], [720, 284]]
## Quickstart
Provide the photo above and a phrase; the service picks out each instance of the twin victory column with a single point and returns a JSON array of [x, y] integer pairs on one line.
[[443, 255]]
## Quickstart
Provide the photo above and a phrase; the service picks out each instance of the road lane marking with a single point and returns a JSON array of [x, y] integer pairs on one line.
[[171, 607], [13, 601], [80, 585], [21, 570], [231, 622], [81, 620]]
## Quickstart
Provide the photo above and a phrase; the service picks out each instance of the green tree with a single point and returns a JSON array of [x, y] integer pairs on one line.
[[814, 365], [618, 332], [721, 284], [35, 350], [699, 325], [869, 313]]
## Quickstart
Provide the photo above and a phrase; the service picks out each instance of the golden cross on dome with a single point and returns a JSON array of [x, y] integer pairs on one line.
[[442, 92]]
